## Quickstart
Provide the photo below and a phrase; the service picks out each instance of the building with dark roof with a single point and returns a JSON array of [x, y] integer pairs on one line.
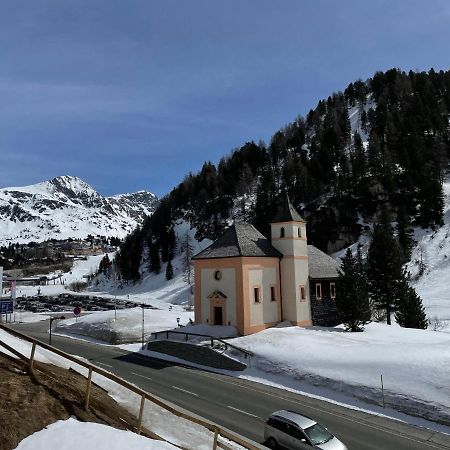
[[248, 281]]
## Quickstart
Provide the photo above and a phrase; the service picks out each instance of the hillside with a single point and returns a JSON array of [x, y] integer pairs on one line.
[[46, 398], [380, 144], [67, 207], [430, 267]]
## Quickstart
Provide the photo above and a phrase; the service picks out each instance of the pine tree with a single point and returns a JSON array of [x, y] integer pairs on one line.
[[155, 260], [384, 269], [169, 270], [105, 262], [410, 311], [172, 243], [404, 235], [352, 299]]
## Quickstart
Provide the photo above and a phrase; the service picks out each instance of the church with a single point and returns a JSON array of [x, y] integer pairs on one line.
[[250, 282]]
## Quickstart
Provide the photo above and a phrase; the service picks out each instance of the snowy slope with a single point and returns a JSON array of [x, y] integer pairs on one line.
[[72, 435], [154, 288], [414, 364], [354, 114], [433, 250], [66, 207]]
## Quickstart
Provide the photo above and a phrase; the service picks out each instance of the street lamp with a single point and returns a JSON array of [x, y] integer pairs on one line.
[[51, 321]]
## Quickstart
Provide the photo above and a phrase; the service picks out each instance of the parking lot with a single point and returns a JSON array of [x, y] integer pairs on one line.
[[64, 302]]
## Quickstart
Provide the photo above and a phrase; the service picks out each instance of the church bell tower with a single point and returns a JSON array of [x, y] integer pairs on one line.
[[288, 231]]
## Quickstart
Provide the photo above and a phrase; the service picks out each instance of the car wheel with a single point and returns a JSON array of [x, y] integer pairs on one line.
[[272, 443]]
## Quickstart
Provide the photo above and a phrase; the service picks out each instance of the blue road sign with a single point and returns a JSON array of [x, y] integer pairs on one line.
[[6, 307]]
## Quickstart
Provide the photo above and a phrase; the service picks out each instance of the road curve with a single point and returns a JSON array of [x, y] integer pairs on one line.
[[242, 405]]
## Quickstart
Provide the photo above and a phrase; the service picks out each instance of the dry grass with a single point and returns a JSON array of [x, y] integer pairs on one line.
[[30, 402]]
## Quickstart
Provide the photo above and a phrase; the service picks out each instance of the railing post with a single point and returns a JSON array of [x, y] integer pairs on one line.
[[88, 390], [216, 435], [33, 350], [167, 335], [141, 412]]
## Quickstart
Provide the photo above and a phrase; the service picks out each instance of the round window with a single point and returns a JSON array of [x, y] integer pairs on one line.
[[218, 275]]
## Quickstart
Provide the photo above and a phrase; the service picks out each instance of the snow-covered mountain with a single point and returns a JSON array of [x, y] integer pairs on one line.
[[67, 207]]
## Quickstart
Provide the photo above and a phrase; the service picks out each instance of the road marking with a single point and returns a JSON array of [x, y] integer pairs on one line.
[[103, 364], [341, 416], [243, 412], [184, 390], [142, 376]]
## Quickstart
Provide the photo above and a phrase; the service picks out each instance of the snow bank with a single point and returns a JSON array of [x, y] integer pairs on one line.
[[211, 330], [414, 363], [73, 435], [127, 327]]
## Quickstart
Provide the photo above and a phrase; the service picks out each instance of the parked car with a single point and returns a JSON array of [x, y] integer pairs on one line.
[[291, 430]]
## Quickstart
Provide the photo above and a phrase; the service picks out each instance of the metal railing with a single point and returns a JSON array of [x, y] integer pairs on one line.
[[167, 333], [173, 409]]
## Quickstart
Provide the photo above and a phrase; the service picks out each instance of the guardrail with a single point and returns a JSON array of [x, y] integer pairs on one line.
[[211, 426], [211, 338]]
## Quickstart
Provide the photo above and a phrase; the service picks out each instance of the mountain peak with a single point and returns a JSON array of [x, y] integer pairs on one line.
[[73, 184], [66, 206]]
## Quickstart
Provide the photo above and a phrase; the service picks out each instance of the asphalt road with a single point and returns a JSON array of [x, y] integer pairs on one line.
[[242, 405]]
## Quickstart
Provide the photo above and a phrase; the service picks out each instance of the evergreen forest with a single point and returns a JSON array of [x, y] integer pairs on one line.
[[380, 145]]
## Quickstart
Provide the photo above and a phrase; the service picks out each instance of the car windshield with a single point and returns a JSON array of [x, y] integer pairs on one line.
[[318, 434]]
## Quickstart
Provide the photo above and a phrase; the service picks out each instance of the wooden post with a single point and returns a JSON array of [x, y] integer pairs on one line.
[[216, 435], [141, 412], [88, 390], [382, 389], [33, 350]]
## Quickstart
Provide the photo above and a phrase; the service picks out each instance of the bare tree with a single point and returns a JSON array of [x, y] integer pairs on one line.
[[436, 324], [188, 251], [422, 260]]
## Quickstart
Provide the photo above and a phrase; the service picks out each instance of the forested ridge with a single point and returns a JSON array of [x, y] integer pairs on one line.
[[381, 144]]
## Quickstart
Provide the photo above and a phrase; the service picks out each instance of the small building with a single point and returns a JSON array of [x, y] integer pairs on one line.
[[253, 283]]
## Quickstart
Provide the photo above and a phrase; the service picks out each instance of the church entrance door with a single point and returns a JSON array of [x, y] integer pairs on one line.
[[218, 315]]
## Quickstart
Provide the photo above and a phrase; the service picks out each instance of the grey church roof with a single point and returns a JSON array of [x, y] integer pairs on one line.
[[320, 264], [241, 239], [286, 212]]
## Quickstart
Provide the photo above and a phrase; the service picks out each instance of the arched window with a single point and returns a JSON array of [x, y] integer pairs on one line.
[[282, 232], [299, 231]]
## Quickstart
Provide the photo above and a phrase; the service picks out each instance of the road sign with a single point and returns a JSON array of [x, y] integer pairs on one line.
[[6, 307], [77, 310]]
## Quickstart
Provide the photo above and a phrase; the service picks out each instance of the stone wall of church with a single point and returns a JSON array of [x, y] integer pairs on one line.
[[323, 311]]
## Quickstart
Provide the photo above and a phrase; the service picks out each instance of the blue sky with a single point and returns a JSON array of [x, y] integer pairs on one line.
[[134, 94]]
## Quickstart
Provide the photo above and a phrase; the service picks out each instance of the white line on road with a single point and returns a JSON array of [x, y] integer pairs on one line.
[[103, 364], [321, 409], [184, 390], [142, 376], [243, 412]]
